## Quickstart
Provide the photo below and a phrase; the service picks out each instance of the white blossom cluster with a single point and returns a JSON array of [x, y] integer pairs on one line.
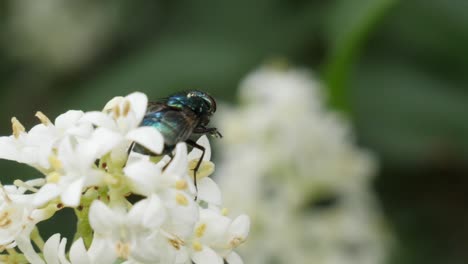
[[293, 166], [61, 35], [84, 159]]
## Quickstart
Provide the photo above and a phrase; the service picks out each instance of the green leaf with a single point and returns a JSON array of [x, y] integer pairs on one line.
[[349, 25]]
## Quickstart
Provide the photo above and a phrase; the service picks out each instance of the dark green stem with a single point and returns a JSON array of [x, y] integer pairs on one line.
[[83, 228], [346, 49]]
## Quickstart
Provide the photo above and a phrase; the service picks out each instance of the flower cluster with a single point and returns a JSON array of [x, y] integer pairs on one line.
[[130, 207], [308, 192], [42, 34]]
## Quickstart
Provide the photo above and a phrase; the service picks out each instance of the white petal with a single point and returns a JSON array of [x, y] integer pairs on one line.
[[216, 225], [234, 258], [136, 157], [83, 130], [101, 142], [144, 175], [209, 191], [102, 251], [41, 130], [138, 102], [178, 165], [149, 212], [181, 217], [68, 119], [46, 193], [196, 153], [101, 218], [148, 137], [24, 244], [8, 149], [113, 103], [39, 215], [119, 154], [61, 251], [71, 196], [206, 256], [51, 249], [182, 256], [36, 182], [100, 119], [240, 227], [94, 177], [78, 254], [67, 154]]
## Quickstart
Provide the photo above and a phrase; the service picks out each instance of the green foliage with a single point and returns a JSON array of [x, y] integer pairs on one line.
[[349, 24]]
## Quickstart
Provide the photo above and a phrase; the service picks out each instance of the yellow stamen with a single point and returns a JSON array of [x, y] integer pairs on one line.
[[43, 118], [116, 110], [200, 231], [197, 246], [176, 242], [55, 162], [17, 127], [110, 179], [5, 220], [181, 199], [24, 185], [206, 168], [235, 242], [181, 185], [123, 249], [112, 103], [53, 177], [126, 108], [224, 211]]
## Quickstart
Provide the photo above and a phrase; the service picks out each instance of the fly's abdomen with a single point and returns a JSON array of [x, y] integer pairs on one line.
[[175, 126]]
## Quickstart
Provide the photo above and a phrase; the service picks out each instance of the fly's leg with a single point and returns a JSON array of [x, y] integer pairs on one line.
[[207, 130], [130, 148], [128, 152], [195, 170]]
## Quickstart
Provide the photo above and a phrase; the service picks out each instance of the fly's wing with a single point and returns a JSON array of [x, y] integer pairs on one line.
[[156, 107], [174, 125]]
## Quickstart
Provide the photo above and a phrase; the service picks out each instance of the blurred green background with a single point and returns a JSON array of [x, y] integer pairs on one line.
[[396, 68]]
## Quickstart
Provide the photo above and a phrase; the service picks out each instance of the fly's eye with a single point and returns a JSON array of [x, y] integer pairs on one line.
[[211, 103], [211, 108]]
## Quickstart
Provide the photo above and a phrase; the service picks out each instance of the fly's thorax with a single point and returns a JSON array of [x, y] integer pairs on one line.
[[201, 103]]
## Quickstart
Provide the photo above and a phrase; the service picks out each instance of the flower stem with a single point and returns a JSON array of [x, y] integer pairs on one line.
[[83, 228], [36, 238], [13, 257]]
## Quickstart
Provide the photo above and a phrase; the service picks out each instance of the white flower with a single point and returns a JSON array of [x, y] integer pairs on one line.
[[74, 164], [136, 235], [75, 167], [54, 252], [143, 173], [32, 148], [55, 35], [173, 186], [35, 147], [283, 153], [83, 157], [208, 190], [216, 236], [14, 218], [147, 177], [123, 115], [18, 217]]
